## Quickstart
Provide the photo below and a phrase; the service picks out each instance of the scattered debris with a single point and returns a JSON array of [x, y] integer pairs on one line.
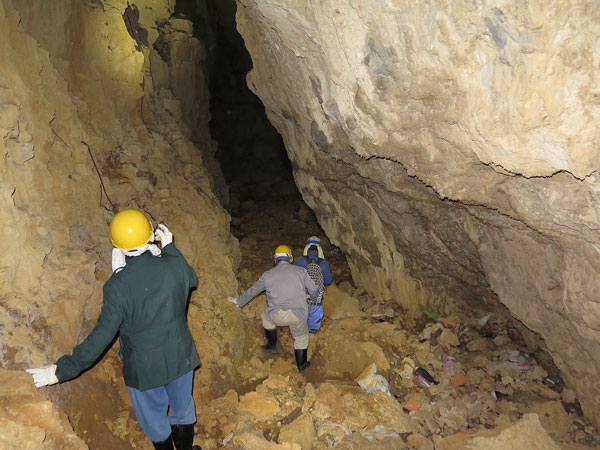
[[412, 404], [378, 433], [500, 395], [332, 432], [372, 382], [458, 380], [590, 440], [420, 372], [447, 322], [518, 361], [450, 363], [430, 314], [227, 439], [484, 320]]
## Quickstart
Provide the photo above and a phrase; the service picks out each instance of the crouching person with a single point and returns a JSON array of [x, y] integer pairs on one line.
[[145, 301], [286, 286]]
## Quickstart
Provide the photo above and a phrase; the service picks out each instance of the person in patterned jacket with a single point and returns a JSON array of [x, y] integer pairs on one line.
[[313, 253]]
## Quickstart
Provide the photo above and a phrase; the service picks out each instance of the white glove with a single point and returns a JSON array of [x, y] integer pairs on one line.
[[233, 300], [44, 376], [163, 235], [118, 259]]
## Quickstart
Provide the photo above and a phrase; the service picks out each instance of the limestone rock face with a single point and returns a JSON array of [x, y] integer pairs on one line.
[[450, 149], [28, 420]]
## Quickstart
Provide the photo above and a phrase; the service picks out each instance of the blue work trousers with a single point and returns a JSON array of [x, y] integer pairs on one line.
[[151, 407], [315, 314]]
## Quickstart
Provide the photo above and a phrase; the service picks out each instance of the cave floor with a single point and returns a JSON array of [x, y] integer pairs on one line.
[[485, 384], [483, 389]]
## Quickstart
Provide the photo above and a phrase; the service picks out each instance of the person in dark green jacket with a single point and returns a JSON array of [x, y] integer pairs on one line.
[[145, 300]]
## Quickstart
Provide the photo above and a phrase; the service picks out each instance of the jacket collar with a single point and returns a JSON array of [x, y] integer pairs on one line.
[[136, 259]]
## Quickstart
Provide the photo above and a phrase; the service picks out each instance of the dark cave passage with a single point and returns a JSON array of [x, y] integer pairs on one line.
[[251, 152], [266, 207]]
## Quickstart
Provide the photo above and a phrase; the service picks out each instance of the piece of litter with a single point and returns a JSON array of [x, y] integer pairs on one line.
[[449, 363], [379, 433], [372, 382], [426, 375], [430, 314], [484, 320], [518, 360]]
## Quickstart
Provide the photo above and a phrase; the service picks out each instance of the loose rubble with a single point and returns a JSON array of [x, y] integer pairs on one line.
[[380, 381], [494, 389]]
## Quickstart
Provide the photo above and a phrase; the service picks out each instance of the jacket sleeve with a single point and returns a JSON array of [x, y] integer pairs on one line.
[[86, 353], [173, 251], [300, 261], [327, 275], [252, 292]]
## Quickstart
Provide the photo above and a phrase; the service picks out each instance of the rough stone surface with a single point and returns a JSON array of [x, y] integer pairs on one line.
[[450, 149], [339, 303], [260, 406], [91, 121], [301, 431], [419, 442], [329, 399], [30, 421], [526, 433], [250, 441], [359, 410]]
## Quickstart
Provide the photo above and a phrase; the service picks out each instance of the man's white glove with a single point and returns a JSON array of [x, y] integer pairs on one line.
[[233, 300], [163, 235], [44, 376]]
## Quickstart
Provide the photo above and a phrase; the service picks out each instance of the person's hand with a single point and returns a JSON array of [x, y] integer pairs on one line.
[[233, 300], [44, 376], [163, 235]]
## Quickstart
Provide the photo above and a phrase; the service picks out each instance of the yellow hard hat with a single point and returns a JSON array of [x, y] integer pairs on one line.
[[130, 229], [283, 252]]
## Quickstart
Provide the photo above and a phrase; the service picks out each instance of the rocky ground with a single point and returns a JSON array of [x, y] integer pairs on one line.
[[364, 388], [381, 377]]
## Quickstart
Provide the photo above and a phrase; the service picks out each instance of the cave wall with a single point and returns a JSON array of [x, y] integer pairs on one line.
[[450, 148], [95, 117]]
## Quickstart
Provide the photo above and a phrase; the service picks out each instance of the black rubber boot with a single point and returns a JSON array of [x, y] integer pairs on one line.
[[271, 346], [167, 444], [301, 361], [183, 437]]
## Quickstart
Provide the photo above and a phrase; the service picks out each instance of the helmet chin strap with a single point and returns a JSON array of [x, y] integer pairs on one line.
[[136, 251]]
